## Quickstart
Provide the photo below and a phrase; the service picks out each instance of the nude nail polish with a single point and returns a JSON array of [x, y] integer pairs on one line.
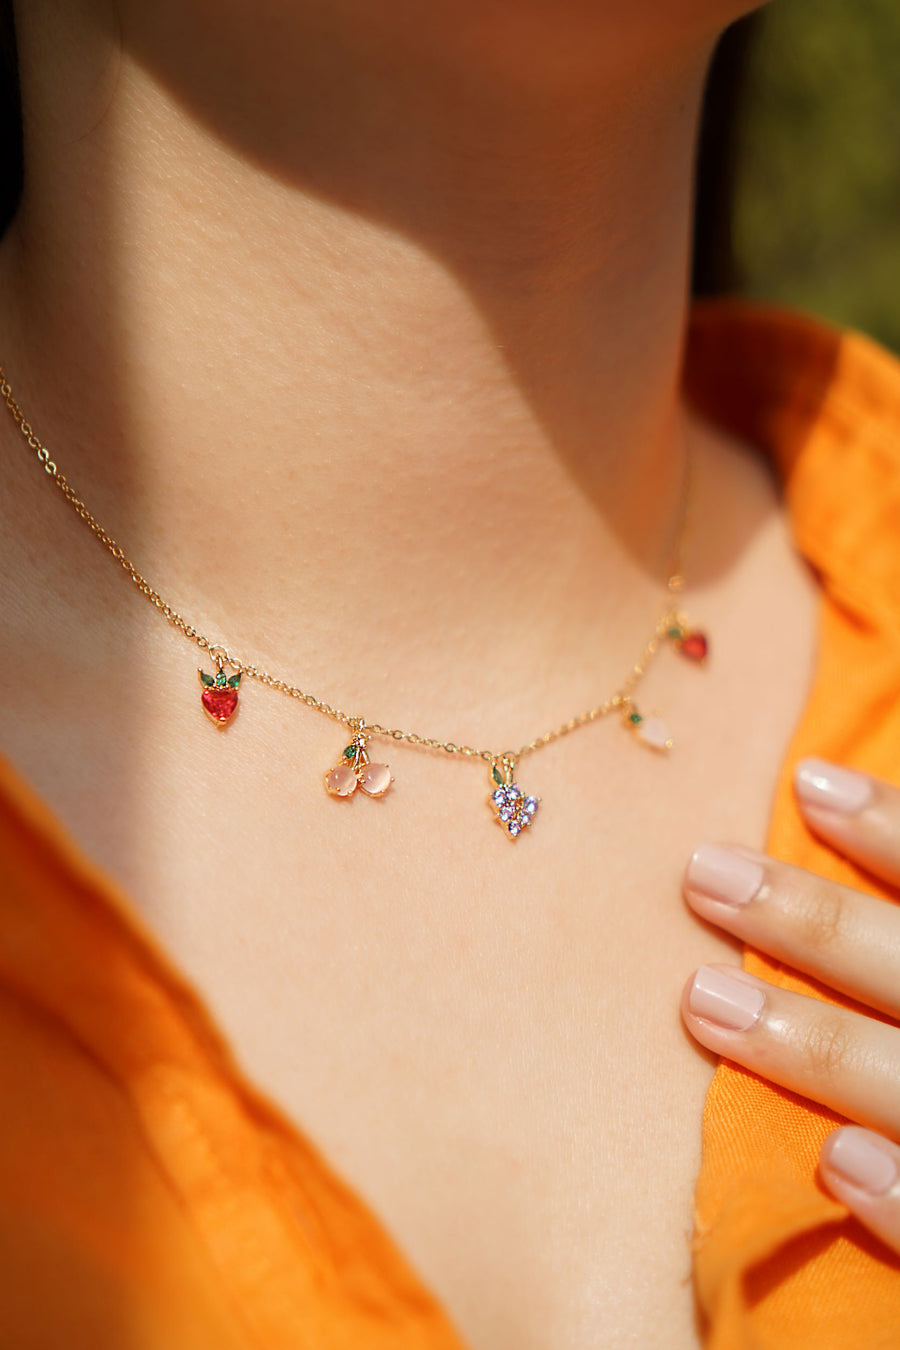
[[853, 1155], [819, 783], [725, 998], [723, 875]]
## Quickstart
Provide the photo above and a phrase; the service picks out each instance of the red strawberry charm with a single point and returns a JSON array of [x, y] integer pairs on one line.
[[219, 695], [691, 642], [694, 645]]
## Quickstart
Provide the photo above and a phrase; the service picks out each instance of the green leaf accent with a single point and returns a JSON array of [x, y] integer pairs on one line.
[[350, 752], [206, 679], [221, 680], [635, 717], [497, 776], [235, 680], [675, 633]]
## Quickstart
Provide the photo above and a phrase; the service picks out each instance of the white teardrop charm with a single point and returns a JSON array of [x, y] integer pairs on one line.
[[654, 732]]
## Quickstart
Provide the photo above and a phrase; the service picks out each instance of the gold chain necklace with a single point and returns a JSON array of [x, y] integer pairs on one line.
[[513, 809]]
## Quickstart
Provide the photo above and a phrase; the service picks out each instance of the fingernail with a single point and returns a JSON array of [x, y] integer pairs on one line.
[[819, 783], [851, 1153], [725, 998], [723, 875]]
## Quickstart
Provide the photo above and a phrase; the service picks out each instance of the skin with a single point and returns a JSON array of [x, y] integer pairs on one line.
[[311, 310]]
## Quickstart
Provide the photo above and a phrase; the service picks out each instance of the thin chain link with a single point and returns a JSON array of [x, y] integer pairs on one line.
[[621, 699]]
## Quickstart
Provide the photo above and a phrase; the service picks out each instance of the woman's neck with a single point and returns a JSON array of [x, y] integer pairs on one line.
[[306, 310]]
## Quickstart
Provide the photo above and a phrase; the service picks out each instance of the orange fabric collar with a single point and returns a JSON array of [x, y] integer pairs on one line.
[[825, 405]]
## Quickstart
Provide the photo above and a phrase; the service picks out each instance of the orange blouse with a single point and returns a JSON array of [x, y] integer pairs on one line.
[[151, 1197]]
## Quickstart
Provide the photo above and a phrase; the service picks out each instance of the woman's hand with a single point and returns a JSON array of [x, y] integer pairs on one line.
[[848, 1061]]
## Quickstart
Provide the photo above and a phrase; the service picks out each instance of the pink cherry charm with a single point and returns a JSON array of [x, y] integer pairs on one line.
[[356, 771], [375, 779], [341, 781]]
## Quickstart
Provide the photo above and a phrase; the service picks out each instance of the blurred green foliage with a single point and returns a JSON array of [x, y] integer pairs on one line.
[[816, 219]]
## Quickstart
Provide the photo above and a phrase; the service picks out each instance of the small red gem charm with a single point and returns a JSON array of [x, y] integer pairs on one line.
[[693, 645], [219, 695]]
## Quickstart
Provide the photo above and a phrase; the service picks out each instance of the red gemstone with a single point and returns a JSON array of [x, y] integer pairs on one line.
[[694, 645], [220, 703]]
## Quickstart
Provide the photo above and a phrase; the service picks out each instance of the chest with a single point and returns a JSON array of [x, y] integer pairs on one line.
[[482, 1036]]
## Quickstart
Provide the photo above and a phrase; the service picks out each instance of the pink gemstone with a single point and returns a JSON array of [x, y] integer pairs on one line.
[[375, 779], [219, 703], [341, 781], [695, 646], [654, 732]]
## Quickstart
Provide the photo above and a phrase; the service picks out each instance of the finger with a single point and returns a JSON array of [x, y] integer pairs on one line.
[[840, 935], [862, 1170], [846, 1061], [853, 810]]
